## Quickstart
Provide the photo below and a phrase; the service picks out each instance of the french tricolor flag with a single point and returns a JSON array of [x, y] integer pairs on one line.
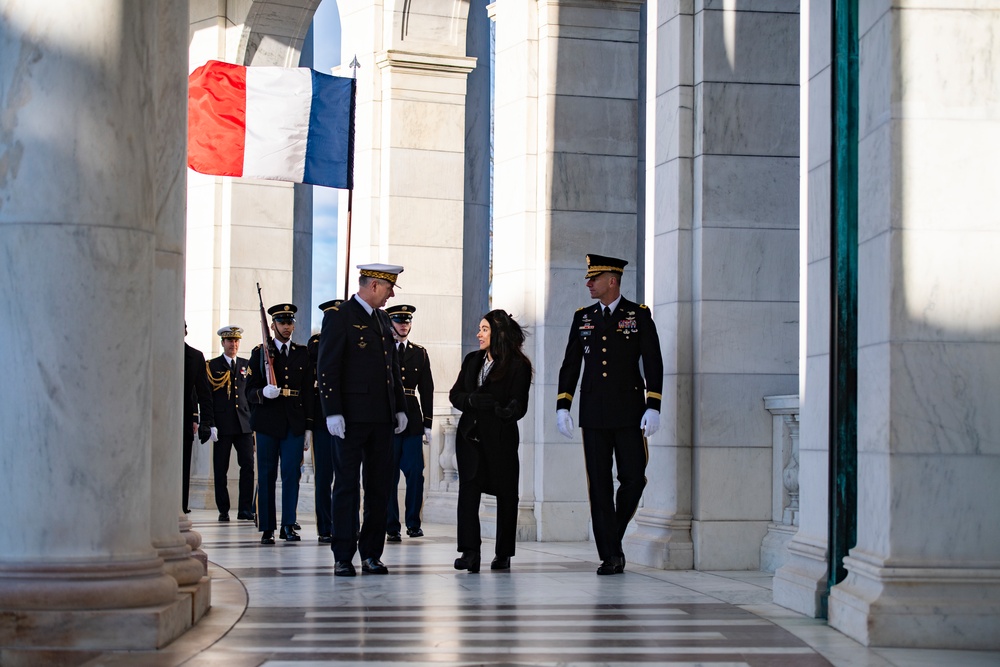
[[278, 123]]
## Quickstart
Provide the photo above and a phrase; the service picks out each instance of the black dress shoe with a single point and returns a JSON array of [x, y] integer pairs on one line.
[[267, 537], [245, 516], [614, 565], [393, 537], [325, 539], [373, 566], [296, 526], [414, 532], [224, 517], [288, 534], [344, 568], [500, 563], [468, 561]]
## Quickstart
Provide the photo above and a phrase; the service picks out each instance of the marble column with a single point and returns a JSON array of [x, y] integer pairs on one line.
[[170, 136], [408, 203], [78, 227], [800, 584], [926, 568], [566, 141], [722, 234]]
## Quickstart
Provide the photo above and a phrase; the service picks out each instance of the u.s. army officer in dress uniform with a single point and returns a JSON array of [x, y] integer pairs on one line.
[[362, 396], [617, 407]]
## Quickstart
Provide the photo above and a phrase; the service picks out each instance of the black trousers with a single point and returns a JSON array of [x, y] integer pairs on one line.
[[188, 440], [475, 478], [626, 448], [364, 456], [243, 443], [323, 444]]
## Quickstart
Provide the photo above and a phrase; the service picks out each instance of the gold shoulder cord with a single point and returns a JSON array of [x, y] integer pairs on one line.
[[220, 382]]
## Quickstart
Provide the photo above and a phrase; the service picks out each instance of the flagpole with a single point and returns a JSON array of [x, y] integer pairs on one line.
[[350, 191]]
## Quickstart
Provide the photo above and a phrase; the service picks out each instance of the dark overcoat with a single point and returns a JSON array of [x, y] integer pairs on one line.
[[487, 444]]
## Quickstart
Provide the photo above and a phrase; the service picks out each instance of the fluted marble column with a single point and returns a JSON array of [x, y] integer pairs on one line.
[[170, 85], [78, 233], [566, 143]]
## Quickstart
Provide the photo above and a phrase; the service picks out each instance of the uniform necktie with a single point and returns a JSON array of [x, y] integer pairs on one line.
[[232, 366], [607, 313], [400, 348]]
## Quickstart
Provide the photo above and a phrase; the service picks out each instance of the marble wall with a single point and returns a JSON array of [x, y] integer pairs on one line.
[[928, 332]]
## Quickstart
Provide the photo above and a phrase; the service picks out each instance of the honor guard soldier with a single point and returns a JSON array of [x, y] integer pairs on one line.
[[407, 447], [323, 444], [280, 415], [362, 397], [618, 409], [227, 375]]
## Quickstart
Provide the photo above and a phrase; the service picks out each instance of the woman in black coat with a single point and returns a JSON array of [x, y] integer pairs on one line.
[[492, 393]]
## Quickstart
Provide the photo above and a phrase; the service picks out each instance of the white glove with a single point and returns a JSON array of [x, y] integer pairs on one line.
[[215, 434], [400, 422], [428, 435], [271, 391], [650, 423], [565, 423], [336, 426], [307, 441]]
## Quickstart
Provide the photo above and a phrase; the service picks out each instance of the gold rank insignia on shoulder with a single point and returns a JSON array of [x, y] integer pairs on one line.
[[644, 306], [580, 308]]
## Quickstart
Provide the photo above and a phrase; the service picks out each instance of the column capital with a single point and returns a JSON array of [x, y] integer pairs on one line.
[[428, 62]]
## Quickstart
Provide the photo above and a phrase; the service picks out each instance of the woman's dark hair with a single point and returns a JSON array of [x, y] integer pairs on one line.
[[506, 341]]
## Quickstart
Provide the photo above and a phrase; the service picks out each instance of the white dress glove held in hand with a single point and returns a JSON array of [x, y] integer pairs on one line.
[[271, 391], [650, 423], [215, 435], [400, 422], [565, 423], [307, 441], [336, 426], [428, 435]]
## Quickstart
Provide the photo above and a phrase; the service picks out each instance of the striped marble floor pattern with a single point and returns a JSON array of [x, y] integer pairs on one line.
[[281, 606]]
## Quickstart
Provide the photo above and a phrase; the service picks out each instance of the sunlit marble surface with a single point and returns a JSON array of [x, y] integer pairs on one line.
[[281, 605]]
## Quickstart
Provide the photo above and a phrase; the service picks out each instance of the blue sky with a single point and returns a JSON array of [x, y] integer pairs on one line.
[[326, 54]]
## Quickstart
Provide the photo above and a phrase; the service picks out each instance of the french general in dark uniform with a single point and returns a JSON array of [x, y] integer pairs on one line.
[[362, 397], [619, 403], [227, 375], [323, 444], [408, 446], [280, 415]]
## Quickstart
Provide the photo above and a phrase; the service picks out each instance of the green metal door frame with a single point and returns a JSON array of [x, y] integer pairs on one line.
[[843, 427]]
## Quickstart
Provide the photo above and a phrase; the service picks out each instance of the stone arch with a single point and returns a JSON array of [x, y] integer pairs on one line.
[[273, 32], [436, 26]]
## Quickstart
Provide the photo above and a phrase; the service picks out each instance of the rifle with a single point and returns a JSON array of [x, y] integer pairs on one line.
[[266, 348]]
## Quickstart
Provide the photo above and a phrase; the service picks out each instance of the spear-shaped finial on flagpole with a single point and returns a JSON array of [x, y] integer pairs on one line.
[[354, 67]]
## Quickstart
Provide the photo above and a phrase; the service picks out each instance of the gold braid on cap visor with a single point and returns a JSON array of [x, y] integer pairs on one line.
[[602, 269], [390, 277]]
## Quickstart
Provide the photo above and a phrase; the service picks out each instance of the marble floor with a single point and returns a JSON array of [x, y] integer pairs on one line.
[[281, 606]]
